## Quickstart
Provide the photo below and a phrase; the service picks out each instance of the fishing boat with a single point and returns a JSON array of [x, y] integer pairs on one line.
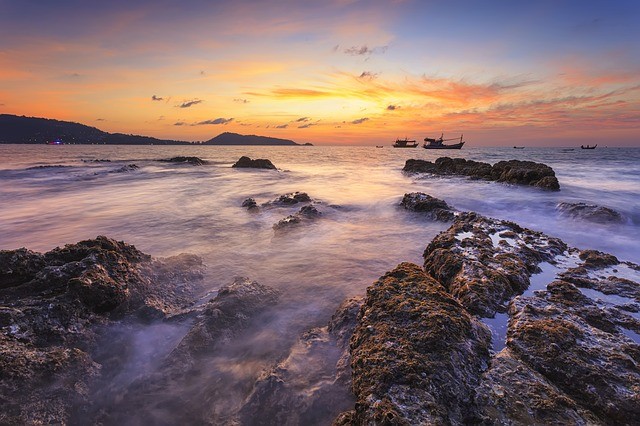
[[57, 141], [379, 146], [405, 143], [431, 143], [518, 147], [588, 147]]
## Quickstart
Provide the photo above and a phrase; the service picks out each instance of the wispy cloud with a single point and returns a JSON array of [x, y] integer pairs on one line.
[[364, 50], [282, 126], [240, 100], [214, 121], [360, 120], [180, 123], [156, 98], [368, 75], [393, 107], [306, 125], [187, 104], [303, 119], [100, 119]]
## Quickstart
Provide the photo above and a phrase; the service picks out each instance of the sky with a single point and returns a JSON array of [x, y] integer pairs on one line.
[[539, 73]]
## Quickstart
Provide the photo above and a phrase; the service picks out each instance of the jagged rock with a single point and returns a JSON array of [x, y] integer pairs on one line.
[[188, 367], [305, 214], [51, 306], [590, 212], [424, 203], [563, 335], [416, 354], [512, 171], [312, 384], [512, 393], [250, 204], [195, 161], [291, 198], [259, 163], [484, 262]]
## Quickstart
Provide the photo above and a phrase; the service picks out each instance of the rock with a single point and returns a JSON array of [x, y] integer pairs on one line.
[[416, 354], [576, 345], [291, 198], [512, 393], [195, 161], [305, 214], [525, 173], [125, 169], [250, 204], [312, 384], [484, 262], [424, 203], [52, 306], [512, 171], [197, 368], [591, 212], [259, 163]]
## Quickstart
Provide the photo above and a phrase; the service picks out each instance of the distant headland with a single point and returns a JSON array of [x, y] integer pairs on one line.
[[16, 129]]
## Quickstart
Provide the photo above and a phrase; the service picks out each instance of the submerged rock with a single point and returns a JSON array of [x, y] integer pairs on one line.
[[51, 306], [259, 163], [187, 160], [424, 203], [125, 169], [590, 212], [290, 199], [305, 214], [512, 171], [250, 204]]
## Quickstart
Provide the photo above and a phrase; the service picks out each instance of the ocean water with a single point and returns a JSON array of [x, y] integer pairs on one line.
[[54, 195]]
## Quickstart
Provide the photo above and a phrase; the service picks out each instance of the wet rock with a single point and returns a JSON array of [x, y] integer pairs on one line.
[[259, 163], [51, 307], [291, 198], [484, 262], [597, 259], [125, 169], [305, 214], [195, 161], [312, 384], [424, 203], [591, 212], [577, 345], [416, 354], [250, 204], [512, 393], [204, 382], [512, 171]]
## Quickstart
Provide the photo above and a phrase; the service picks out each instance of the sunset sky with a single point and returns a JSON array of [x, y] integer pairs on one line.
[[331, 71]]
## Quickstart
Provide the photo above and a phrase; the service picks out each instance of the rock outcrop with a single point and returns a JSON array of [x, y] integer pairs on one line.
[[417, 355], [591, 212], [305, 214], [51, 306], [434, 207], [258, 163], [512, 171], [485, 262], [420, 351], [195, 161]]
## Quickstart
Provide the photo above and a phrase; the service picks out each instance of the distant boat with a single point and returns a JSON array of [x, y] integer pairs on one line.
[[567, 150], [405, 143], [379, 146], [57, 141], [518, 147], [588, 147], [438, 143]]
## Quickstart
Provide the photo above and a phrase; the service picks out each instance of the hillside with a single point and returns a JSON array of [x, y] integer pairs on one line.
[[32, 130]]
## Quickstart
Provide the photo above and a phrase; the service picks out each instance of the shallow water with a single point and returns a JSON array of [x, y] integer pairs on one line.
[[165, 209]]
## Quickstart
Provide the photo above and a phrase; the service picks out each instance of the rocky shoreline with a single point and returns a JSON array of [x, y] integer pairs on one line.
[[418, 348]]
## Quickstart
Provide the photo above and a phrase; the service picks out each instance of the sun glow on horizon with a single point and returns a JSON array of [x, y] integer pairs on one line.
[[349, 72]]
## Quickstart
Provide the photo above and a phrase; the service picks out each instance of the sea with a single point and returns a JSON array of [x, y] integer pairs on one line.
[[55, 195]]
